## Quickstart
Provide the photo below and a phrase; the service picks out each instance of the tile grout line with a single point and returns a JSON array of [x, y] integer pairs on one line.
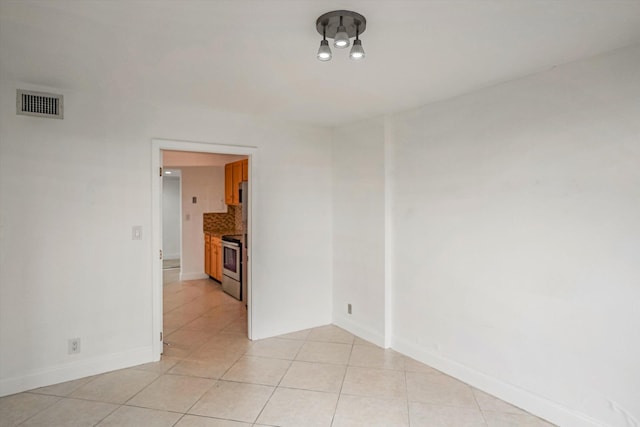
[[42, 410], [108, 415], [181, 360], [406, 388], [333, 418], [277, 385], [475, 399], [216, 380]]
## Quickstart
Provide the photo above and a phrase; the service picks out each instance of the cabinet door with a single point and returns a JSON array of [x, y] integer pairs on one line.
[[228, 184], [237, 179], [207, 257], [219, 263], [216, 260], [245, 170], [213, 259]]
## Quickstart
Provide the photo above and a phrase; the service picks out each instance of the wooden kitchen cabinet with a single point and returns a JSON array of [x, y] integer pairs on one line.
[[207, 254], [234, 174], [213, 256], [237, 179], [245, 170], [216, 258], [228, 184]]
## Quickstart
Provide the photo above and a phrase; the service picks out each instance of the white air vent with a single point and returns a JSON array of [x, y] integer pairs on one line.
[[39, 104]]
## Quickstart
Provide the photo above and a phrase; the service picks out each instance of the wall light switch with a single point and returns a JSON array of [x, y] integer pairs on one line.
[[194, 199], [136, 232]]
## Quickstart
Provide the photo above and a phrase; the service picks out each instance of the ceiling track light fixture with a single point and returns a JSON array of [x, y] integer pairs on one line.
[[341, 26]]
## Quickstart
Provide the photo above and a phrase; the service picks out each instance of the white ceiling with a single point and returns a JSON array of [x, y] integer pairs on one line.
[[258, 56]]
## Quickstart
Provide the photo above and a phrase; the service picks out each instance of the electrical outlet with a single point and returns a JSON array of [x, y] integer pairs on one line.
[[74, 345], [349, 308]]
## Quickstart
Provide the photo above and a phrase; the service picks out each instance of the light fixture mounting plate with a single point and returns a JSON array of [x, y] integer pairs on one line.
[[330, 22]]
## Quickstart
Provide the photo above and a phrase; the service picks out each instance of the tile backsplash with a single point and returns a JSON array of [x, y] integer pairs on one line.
[[230, 221]]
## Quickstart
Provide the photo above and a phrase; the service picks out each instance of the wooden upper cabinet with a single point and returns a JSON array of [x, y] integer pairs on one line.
[[234, 174], [237, 179], [228, 184], [245, 170]]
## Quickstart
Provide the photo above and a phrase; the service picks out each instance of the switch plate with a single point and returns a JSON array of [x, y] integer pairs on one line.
[[349, 308], [136, 232]]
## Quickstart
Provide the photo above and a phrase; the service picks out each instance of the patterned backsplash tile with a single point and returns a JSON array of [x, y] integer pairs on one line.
[[215, 222]]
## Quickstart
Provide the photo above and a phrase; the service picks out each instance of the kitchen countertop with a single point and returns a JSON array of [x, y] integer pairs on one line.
[[219, 234]]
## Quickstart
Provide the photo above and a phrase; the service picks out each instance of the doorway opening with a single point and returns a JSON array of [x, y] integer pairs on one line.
[[160, 148], [171, 225]]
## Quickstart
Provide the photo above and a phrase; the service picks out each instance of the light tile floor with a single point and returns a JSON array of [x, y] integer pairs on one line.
[[211, 375]]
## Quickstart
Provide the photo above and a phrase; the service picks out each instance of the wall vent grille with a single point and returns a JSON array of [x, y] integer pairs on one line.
[[39, 104]]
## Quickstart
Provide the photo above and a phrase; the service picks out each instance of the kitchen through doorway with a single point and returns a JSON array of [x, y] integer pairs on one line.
[[188, 206]]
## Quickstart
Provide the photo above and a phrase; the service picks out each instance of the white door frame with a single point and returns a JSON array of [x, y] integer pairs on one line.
[[157, 145]]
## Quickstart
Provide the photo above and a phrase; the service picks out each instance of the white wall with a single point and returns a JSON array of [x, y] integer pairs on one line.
[[70, 191], [206, 183], [359, 229], [171, 217], [516, 216]]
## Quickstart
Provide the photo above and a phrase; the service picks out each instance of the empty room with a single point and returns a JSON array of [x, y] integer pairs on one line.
[[383, 213]]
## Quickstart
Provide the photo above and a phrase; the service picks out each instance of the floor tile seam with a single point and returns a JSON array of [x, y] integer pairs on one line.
[[143, 388], [246, 382], [526, 414], [117, 406], [178, 420], [129, 405], [448, 405], [192, 376], [268, 357], [39, 393], [376, 368], [374, 396], [194, 349], [179, 306], [329, 342], [326, 363], [199, 398], [86, 399], [337, 394], [341, 386], [425, 373], [108, 415], [42, 410], [406, 389], [369, 396], [231, 366], [266, 403], [475, 399], [215, 359], [214, 418]]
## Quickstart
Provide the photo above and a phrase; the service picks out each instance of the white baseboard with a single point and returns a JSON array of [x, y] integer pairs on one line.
[[529, 401], [192, 276], [358, 329], [80, 369]]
